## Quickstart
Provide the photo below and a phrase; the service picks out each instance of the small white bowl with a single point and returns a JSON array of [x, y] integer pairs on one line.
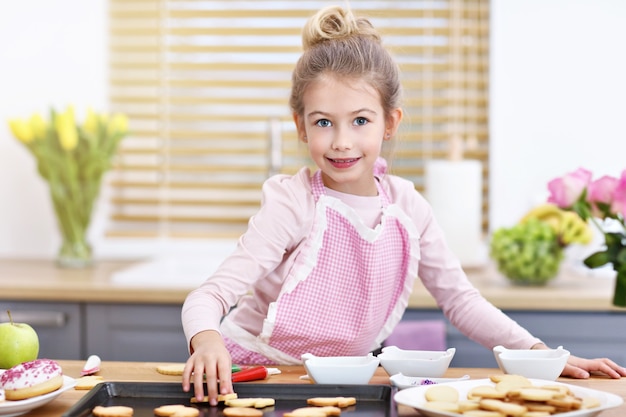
[[532, 363], [416, 363], [340, 369]]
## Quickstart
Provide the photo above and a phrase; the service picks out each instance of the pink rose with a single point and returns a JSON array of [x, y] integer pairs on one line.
[[601, 190], [566, 190], [618, 206]]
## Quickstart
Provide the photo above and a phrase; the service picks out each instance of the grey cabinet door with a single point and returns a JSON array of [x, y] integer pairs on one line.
[[585, 334], [135, 332], [58, 326]]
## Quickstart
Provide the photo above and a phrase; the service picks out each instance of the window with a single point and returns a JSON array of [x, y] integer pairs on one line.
[[206, 83]]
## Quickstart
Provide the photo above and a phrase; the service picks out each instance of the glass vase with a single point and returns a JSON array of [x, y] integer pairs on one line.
[[75, 253], [619, 294], [73, 202]]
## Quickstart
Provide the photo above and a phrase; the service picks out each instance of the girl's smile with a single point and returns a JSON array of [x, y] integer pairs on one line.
[[343, 163]]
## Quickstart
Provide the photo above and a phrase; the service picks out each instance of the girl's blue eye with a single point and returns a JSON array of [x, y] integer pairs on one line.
[[360, 121], [323, 123]]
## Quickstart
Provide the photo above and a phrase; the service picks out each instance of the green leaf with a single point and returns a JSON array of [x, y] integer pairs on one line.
[[597, 259], [613, 242], [582, 208], [620, 259]]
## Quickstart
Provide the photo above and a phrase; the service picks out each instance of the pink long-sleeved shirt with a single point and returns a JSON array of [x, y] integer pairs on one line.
[[252, 276]]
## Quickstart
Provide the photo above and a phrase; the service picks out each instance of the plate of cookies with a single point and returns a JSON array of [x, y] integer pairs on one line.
[[506, 395], [11, 408]]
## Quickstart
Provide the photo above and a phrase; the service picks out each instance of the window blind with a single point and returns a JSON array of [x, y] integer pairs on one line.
[[205, 85]]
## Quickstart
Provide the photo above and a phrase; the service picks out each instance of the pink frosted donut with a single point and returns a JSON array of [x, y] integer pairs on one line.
[[30, 379]]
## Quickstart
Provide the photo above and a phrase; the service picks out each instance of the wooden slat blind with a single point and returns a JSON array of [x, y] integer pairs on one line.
[[206, 84]]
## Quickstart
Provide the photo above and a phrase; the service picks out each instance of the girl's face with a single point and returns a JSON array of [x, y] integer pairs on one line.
[[344, 126]]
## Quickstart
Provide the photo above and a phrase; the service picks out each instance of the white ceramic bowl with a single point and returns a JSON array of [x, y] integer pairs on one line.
[[416, 363], [532, 363], [340, 369]]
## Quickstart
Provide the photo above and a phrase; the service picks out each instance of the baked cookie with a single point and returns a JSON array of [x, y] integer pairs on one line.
[[447, 406], [250, 402], [306, 412], [220, 398], [186, 412], [506, 408], [341, 402], [168, 410], [88, 382], [442, 393], [242, 412], [171, 369], [112, 411]]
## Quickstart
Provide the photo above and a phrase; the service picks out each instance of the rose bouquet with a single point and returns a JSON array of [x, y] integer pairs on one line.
[[72, 157], [603, 202]]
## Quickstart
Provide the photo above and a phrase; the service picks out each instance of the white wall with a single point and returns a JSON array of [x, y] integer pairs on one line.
[[52, 53], [557, 102], [557, 84]]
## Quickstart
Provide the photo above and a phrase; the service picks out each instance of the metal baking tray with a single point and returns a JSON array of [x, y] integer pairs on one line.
[[144, 397]]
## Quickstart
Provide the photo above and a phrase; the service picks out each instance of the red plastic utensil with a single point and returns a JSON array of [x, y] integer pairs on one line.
[[251, 374]]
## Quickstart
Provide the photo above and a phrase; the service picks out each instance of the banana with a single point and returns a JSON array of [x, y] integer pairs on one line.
[[568, 225], [574, 229], [548, 213]]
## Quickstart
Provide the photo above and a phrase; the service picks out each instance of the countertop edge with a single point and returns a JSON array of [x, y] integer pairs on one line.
[[41, 280]]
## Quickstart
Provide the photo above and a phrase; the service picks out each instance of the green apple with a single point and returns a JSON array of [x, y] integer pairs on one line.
[[18, 343]]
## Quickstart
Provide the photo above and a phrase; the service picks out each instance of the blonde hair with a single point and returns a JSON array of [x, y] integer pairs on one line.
[[337, 43]]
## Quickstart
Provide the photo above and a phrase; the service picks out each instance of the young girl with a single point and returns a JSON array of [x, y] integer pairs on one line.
[[328, 263]]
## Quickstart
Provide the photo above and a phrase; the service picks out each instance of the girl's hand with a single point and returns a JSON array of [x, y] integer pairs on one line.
[[582, 368], [211, 360]]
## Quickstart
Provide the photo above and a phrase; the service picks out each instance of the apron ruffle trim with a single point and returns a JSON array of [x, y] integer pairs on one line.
[[250, 342], [412, 273]]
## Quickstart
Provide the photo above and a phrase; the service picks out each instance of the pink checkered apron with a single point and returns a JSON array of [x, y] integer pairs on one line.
[[341, 298]]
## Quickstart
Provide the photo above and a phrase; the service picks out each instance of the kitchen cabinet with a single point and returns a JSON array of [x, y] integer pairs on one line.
[[58, 326], [115, 332], [585, 334], [123, 332], [153, 332]]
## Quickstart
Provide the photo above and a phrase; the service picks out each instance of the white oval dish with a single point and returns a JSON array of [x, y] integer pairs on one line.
[[17, 408], [340, 369], [416, 363], [414, 397]]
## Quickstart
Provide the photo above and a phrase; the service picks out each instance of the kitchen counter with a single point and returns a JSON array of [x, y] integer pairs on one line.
[[146, 372], [40, 280]]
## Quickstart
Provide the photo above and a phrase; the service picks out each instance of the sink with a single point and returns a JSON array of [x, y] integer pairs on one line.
[[178, 270]]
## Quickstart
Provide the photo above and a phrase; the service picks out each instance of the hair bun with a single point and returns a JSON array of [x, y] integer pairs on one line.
[[335, 22]]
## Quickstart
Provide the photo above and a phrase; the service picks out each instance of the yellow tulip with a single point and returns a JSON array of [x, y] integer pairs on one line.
[[119, 123], [70, 112], [91, 123], [66, 129], [38, 126], [21, 130]]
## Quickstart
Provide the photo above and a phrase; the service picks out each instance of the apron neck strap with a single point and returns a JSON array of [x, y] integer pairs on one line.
[[317, 185]]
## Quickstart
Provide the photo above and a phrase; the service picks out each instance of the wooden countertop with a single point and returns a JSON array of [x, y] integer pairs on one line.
[[144, 371], [41, 280]]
